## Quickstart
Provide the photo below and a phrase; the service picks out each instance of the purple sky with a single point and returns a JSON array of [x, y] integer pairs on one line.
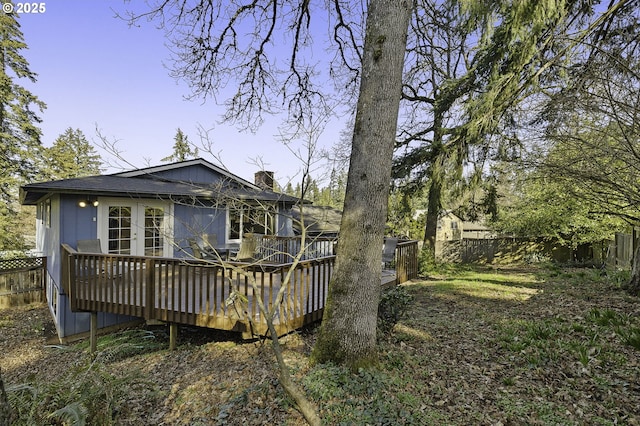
[[96, 72]]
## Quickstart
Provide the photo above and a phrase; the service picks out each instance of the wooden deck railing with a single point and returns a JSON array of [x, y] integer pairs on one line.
[[276, 249], [406, 261], [196, 292], [206, 294]]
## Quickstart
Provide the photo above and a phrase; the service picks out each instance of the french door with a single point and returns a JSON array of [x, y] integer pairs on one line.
[[137, 228]]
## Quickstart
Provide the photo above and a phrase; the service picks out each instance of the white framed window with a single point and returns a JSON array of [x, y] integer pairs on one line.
[[248, 219]]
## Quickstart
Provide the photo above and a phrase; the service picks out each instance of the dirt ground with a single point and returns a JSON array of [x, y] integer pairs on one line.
[[465, 358]]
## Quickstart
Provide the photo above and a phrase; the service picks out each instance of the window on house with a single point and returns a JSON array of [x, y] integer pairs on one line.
[[46, 213], [251, 220], [153, 227], [119, 238]]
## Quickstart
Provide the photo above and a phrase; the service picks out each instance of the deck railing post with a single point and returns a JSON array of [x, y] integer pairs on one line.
[[149, 288], [93, 333], [173, 336]]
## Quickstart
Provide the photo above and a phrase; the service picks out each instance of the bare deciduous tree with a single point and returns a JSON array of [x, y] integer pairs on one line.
[[219, 43]]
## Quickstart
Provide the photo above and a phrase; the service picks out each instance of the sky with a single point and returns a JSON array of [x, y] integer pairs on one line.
[[96, 72]]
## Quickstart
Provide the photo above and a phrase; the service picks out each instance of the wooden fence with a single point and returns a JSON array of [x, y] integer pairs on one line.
[[616, 253], [22, 280], [619, 251]]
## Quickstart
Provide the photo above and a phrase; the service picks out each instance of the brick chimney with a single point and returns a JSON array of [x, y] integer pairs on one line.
[[264, 180]]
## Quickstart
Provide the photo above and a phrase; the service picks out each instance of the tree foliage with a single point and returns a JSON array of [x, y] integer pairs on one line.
[[19, 132], [592, 126], [182, 149], [469, 62], [541, 206], [71, 156]]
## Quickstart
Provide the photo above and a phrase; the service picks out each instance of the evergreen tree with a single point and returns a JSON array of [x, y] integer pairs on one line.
[[71, 156], [181, 148], [19, 134], [289, 189]]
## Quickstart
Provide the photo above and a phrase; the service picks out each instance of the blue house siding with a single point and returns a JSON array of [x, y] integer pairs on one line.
[[284, 223], [192, 222], [69, 223], [195, 173]]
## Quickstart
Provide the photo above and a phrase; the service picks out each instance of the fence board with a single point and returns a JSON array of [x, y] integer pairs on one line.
[[22, 280]]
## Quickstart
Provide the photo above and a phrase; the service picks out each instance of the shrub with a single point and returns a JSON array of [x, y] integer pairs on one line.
[[426, 262], [393, 306]]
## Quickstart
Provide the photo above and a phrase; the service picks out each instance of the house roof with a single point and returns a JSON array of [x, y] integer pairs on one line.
[[318, 219], [143, 183]]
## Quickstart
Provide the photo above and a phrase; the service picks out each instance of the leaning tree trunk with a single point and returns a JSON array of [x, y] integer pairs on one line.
[[348, 332], [5, 408], [633, 286]]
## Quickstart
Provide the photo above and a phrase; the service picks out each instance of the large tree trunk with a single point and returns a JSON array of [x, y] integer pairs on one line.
[[348, 333], [436, 179], [633, 286], [433, 212]]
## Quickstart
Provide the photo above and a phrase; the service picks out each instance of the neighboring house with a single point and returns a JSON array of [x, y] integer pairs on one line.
[[452, 228], [318, 220], [449, 225], [148, 212]]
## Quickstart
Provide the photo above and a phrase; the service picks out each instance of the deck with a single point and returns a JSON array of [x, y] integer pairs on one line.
[[220, 296]]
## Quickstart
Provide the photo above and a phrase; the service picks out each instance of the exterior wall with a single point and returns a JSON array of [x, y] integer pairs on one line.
[[68, 223], [449, 228], [196, 173], [193, 222], [284, 223]]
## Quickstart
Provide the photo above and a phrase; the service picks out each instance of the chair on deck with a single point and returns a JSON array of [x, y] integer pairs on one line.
[[198, 252], [248, 247], [210, 242], [104, 267], [89, 246], [389, 252]]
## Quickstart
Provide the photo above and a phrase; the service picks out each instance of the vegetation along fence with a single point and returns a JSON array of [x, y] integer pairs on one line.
[[616, 253], [22, 280]]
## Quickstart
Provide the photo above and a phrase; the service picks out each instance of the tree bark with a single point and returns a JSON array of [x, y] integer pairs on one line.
[[433, 211], [633, 286], [5, 408], [348, 332]]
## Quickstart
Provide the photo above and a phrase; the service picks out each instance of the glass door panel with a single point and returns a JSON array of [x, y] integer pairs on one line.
[[153, 231], [119, 230]]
